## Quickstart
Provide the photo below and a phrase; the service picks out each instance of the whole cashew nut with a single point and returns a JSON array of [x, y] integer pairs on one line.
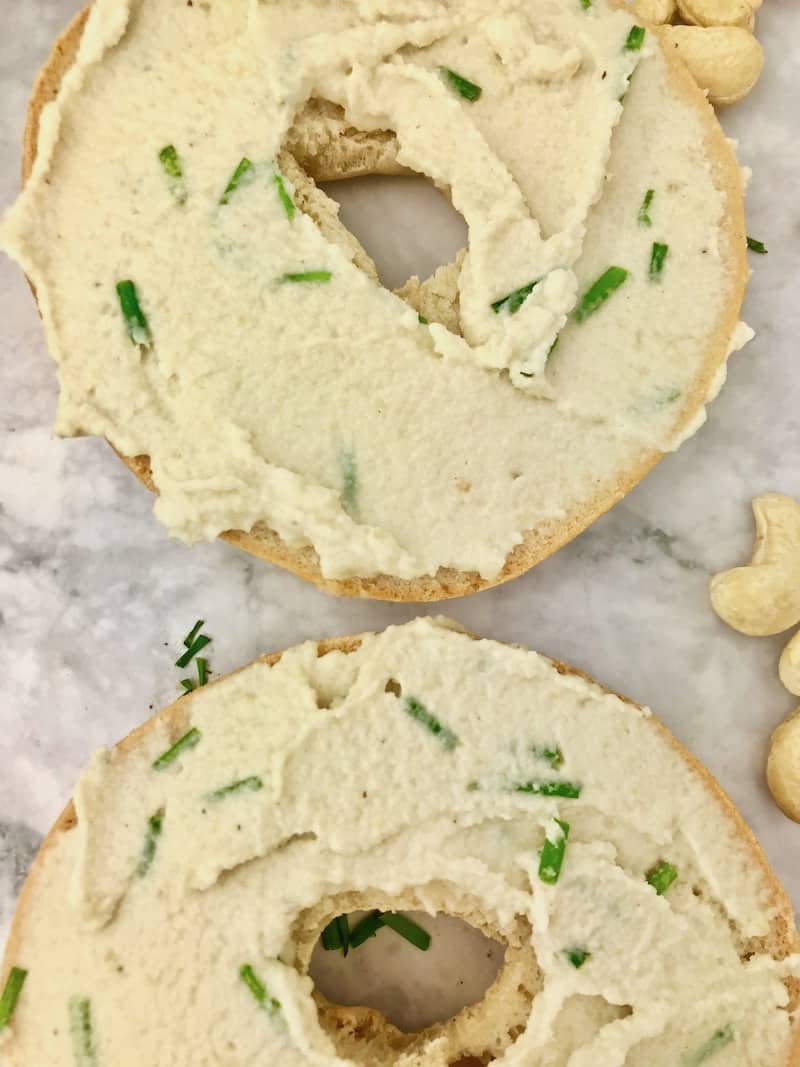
[[717, 13], [656, 12], [789, 665], [783, 766], [764, 596], [724, 60]]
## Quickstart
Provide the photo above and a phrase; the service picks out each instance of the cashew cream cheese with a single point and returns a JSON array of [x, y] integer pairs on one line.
[[425, 760], [268, 378]]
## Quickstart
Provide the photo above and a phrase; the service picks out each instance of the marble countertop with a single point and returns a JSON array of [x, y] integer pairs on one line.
[[94, 599]]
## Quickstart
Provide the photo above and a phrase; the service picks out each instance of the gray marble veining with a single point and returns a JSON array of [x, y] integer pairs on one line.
[[94, 599]]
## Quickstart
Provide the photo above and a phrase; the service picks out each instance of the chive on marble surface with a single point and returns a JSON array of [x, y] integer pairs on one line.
[[95, 601]]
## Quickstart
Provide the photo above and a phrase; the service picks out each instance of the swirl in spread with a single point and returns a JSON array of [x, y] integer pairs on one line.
[[422, 763], [201, 317]]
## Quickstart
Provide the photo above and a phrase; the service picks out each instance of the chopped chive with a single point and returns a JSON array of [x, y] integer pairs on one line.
[[188, 684], [423, 321], [365, 929], [243, 172], [307, 276], [189, 740], [666, 395], [644, 210], [554, 756], [463, 86], [408, 929], [202, 671], [586, 4], [599, 292], [577, 956], [661, 877], [635, 39], [512, 302], [548, 788], [283, 195], [349, 493], [343, 924], [80, 1025], [418, 711], [657, 257], [195, 630], [551, 857], [11, 991], [154, 826], [171, 164], [195, 647], [135, 322], [331, 937], [756, 246], [717, 1041], [243, 785], [259, 990]]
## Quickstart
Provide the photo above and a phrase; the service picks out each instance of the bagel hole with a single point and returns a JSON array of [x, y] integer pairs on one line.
[[411, 988], [385, 212]]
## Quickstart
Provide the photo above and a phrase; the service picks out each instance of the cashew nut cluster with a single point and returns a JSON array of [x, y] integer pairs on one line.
[[715, 40], [763, 598]]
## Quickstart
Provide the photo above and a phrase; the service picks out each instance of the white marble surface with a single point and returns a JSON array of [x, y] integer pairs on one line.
[[94, 598]]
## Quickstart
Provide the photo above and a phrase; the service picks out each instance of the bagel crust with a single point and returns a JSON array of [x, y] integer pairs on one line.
[[471, 757], [452, 467]]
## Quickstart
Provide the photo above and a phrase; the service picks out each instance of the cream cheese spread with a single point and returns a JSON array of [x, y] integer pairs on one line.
[[425, 761], [268, 378]]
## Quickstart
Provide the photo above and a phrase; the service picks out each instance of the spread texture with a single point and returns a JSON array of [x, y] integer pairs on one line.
[[172, 923], [202, 314]]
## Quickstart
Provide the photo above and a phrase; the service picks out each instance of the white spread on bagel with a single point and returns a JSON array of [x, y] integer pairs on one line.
[[251, 354], [424, 761]]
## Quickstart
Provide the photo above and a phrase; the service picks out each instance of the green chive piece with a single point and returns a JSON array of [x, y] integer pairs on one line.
[[644, 210], [195, 630], [463, 86], [599, 292], [365, 929], [283, 195], [344, 932], [135, 322], [188, 684], [80, 1025], [551, 857], [171, 164], [11, 991], [577, 956], [657, 257], [154, 826], [243, 785], [756, 246], [244, 172], [189, 740], [666, 395], [202, 671], [196, 645], [408, 929], [661, 877], [349, 493], [512, 302], [548, 788], [717, 1041], [307, 276], [586, 4], [635, 39], [331, 936], [418, 711], [259, 990], [552, 755], [423, 321]]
